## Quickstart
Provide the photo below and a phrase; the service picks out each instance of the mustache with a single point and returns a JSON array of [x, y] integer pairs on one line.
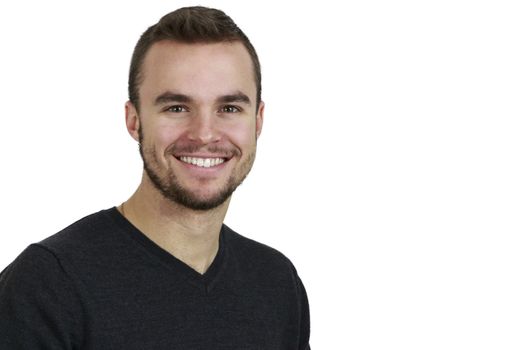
[[222, 151]]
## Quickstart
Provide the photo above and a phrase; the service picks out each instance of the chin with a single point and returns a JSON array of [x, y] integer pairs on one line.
[[197, 200]]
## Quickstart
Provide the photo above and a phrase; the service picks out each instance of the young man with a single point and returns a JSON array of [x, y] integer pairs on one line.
[[161, 271]]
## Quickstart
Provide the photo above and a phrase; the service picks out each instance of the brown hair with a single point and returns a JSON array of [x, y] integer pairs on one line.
[[189, 25]]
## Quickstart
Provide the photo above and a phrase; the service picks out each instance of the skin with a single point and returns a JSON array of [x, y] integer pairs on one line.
[[216, 116]]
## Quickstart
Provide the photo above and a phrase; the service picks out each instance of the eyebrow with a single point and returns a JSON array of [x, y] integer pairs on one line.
[[170, 97], [236, 97]]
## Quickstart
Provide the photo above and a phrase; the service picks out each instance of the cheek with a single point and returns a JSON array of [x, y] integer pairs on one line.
[[161, 136], [166, 136], [242, 134]]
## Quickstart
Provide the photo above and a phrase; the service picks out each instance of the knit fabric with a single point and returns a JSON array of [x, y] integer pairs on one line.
[[102, 284]]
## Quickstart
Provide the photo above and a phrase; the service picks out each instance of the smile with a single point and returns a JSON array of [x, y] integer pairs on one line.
[[202, 162]]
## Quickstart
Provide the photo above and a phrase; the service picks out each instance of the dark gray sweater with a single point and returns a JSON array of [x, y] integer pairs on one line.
[[102, 284]]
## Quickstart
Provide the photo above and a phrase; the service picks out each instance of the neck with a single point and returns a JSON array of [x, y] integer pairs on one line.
[[191, 236]]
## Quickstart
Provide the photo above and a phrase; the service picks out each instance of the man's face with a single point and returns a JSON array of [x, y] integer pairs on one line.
[[198, 122]]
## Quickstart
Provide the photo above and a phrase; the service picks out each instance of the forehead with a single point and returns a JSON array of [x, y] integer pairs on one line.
[[199, 69]]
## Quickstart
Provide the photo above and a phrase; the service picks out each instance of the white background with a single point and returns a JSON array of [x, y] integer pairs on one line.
[[390, 168]]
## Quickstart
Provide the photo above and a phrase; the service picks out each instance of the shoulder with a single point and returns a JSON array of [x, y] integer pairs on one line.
[[37, 301], [271, 277], [86, 231], [35, 269], [88, 248], [50, 258], [34, 261], [256, 256], [248, 246]]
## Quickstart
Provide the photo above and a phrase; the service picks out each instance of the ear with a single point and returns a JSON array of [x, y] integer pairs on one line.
[[259, 119], [132, 121]]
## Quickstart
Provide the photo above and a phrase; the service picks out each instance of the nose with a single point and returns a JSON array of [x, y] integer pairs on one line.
[[203, 128]]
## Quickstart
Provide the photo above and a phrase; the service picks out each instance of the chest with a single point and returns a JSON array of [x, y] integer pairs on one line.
[[177, 315]]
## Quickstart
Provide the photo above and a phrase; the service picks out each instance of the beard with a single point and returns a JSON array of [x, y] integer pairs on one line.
[[172, 189]]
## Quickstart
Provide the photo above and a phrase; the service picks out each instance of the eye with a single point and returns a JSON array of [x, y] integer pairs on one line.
[[177, 109], [230, 109]]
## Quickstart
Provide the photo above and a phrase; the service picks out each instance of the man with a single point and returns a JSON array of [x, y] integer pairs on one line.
[[161, 271]]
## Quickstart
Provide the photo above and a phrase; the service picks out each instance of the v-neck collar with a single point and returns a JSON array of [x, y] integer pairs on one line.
[[204, 281]]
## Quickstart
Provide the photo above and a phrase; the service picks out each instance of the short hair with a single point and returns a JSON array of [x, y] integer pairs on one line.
[[195, 24]]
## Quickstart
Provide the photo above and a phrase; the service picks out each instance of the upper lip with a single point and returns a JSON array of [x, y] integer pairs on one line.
[[202, 155]]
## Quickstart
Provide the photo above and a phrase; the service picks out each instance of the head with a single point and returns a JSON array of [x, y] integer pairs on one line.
[[195, 106], [190, 25]]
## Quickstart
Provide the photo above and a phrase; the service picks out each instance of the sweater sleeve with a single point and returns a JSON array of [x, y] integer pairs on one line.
[[304, 337], [38, 306]]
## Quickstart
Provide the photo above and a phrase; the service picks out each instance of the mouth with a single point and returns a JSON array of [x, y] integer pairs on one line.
[[202, 162]]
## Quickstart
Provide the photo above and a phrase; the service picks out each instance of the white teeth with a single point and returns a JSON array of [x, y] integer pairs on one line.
[[202, 162]]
